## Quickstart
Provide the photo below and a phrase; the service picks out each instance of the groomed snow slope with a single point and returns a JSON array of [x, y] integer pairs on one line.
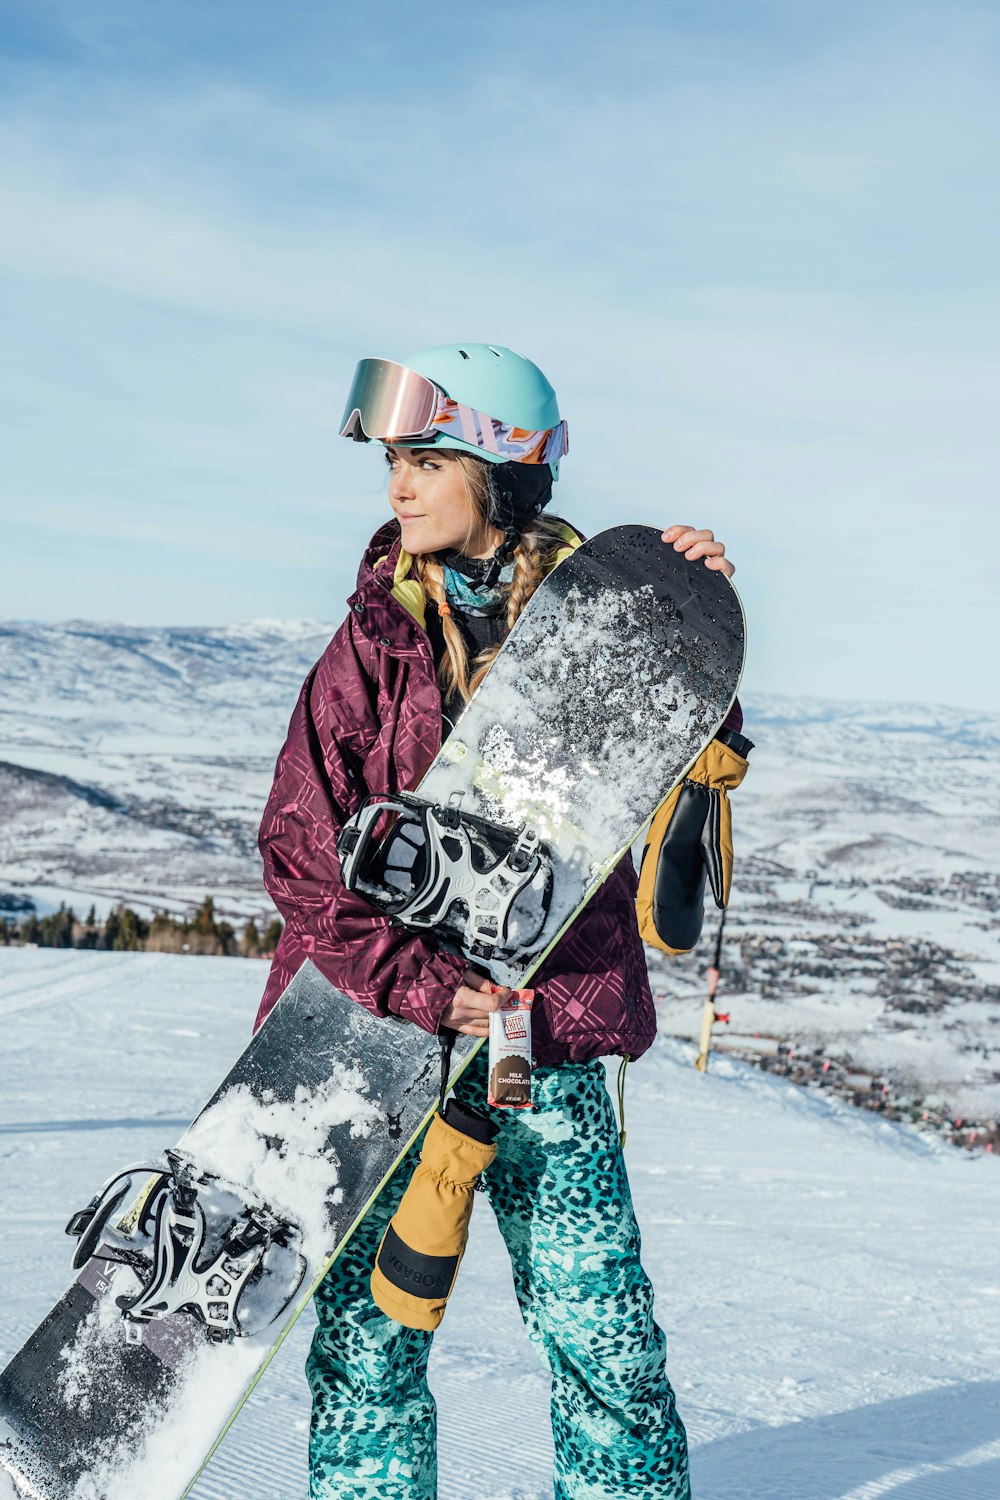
[[830, 1284]]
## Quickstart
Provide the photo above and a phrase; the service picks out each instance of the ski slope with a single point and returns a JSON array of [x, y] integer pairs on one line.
[[829, 1283]]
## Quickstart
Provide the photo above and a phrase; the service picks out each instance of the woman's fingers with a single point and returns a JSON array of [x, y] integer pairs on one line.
[[467, 1023], [482, 984], [697, 544], [685, 537], [456, 1019], [490, 997], [470, 1009], [478, 1002]]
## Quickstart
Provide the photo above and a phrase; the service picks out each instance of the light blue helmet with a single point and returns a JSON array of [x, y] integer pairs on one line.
[[490, 379]]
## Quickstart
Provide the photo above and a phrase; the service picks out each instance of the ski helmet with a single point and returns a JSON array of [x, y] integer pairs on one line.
[[492, 394]]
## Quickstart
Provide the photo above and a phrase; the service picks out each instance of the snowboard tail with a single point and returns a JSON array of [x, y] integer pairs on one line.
[[89, 1411]]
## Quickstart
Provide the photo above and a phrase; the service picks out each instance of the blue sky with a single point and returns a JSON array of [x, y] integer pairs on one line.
[[755, 247]]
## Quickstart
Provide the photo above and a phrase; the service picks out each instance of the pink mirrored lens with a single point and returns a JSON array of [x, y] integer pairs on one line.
[[389, 401]]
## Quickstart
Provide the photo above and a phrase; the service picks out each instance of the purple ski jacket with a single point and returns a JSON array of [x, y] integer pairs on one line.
[[368, 719]]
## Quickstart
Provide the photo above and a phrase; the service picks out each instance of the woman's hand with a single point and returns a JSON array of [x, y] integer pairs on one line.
[[695, 544], [475, 999]]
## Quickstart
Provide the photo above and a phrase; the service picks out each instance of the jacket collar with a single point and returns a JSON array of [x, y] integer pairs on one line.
[[387, 565], [381, 553]]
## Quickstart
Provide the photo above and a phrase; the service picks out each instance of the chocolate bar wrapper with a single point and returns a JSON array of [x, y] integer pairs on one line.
[[510, 1052]]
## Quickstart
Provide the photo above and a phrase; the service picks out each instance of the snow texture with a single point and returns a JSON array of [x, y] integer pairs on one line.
[[158, 1467], [828, 1281], [598, 660], [295, 1179]]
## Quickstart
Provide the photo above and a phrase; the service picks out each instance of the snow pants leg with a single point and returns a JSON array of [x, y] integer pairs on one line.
[[373, 1434], [561, 1196]]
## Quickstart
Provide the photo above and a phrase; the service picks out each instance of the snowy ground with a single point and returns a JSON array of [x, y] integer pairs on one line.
[[830, 1283]]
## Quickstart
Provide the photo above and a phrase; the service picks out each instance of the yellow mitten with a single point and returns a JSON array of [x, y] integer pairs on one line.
[[689, 839], [418, 1259]]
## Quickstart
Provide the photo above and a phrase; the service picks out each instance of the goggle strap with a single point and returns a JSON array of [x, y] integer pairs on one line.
[[470, 432], [383, 390], [493, 436], [488, 437]]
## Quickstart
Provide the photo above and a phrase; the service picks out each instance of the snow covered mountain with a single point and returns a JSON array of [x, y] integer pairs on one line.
[[134, 764]]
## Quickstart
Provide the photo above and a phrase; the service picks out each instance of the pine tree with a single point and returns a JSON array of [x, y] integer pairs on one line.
[[132, 931], [251, 939], [204, 919], [29, 931], [225, 936], [56, 930], [89, 935], [112, 926]]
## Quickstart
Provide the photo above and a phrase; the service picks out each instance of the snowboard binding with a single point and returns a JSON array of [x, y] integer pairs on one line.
[[168, 1252], [437, 868]]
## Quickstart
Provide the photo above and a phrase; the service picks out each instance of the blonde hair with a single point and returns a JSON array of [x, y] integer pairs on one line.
[[535, 554]]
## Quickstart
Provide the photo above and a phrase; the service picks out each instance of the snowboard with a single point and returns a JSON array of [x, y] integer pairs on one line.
[[193, 1269], [312, 1118]]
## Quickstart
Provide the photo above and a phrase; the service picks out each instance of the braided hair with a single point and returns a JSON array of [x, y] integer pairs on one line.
[[534, 554]]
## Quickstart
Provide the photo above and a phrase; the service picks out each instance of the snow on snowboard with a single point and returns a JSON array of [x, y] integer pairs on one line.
[[193, 1269]]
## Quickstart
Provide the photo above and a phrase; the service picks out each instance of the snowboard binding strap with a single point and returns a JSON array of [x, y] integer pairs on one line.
[[179, 1276], [484, 885]]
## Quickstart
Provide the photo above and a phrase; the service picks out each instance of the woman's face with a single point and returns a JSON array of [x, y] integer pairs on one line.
[[428, 495]]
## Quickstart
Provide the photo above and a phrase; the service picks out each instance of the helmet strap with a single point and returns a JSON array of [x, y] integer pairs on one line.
[[501, 557]]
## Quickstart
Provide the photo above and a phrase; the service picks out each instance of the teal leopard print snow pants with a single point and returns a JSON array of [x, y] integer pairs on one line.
[[562, 1201]]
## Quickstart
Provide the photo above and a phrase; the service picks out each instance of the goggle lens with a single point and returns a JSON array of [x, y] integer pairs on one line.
[[386, 401]]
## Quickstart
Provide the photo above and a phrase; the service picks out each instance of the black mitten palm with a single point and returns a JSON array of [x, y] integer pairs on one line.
[[690, 840]]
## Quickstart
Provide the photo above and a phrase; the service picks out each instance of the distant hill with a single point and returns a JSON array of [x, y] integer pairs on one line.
[[135, 762], [134, 765]]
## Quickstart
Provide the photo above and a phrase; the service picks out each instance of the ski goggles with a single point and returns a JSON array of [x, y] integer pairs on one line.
[[388, 403]]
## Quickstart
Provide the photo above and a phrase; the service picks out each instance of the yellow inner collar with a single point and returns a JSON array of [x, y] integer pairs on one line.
[[410, 593]]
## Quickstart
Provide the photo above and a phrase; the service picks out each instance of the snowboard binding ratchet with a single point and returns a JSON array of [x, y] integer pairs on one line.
[[485, 886], [179, 1273]]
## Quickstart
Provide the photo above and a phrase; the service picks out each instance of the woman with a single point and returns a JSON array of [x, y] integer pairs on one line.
[[473, 439]]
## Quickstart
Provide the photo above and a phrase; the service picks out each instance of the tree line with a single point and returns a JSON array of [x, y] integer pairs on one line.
[[124, 930]]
